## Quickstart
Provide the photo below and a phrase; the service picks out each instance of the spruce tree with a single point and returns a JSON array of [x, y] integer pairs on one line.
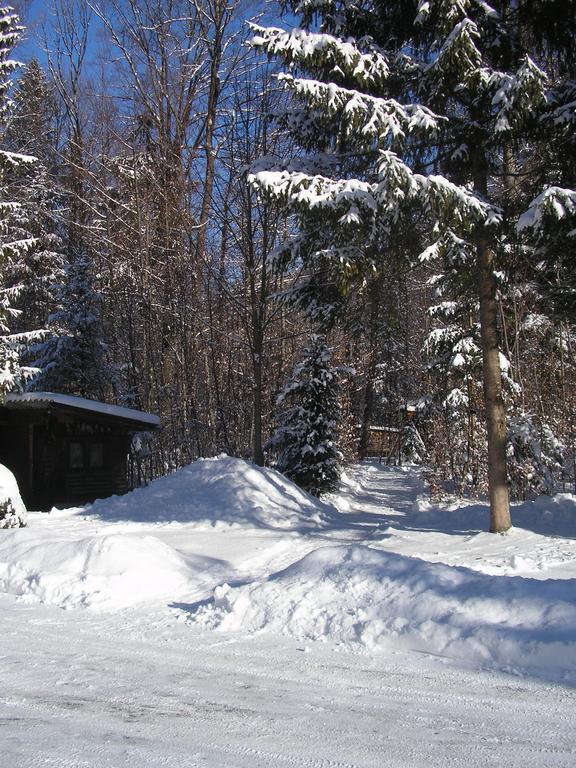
[[57, 277], [425, 115], [72, 359], [15, 244], [305, 440], [31, 130]]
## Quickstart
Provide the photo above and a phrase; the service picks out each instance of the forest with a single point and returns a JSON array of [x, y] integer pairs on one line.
[[277, 226]]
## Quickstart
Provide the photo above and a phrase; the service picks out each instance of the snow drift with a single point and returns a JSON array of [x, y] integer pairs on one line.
[[547, 515], [399, 592], [219, 491], [359, 596], [103, 572]]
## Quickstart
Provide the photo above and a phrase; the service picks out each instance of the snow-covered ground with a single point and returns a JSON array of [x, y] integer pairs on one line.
[[223, 618]]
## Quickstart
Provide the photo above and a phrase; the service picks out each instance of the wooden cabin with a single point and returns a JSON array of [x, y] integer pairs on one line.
[[67, 450]]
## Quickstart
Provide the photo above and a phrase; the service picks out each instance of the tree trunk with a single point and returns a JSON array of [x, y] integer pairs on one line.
[[257, 450], [368, 410], [495, 410], [258, 299]]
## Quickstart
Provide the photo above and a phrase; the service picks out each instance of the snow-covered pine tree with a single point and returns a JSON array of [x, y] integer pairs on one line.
[[427, 111], [542, 420], [537, 459], [548, 224], [454, 361], [14, 244], [72, 359], [305, 440], [31, 130]]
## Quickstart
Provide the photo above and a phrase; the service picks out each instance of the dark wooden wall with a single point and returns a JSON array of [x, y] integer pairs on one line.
[[42, 449]]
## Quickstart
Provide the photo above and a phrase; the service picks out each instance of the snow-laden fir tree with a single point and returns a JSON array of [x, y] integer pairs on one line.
[[454, 361], [15, 243], [537, 459], [72, 359], [31, 130], [305, 440], [425, 114]]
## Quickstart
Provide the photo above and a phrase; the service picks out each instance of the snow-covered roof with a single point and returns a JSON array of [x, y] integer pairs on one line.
[[82, 404]]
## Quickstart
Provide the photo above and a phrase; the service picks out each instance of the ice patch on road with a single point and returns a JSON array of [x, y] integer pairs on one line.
[[359, 596], [103, 572]]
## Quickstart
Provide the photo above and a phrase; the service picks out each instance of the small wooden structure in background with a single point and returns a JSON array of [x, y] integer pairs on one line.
[[386, 442], [67, 450], [382, 442]]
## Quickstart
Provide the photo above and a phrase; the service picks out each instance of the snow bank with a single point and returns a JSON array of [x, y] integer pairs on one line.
[[219, 491], [548, 515], [104, 572], [12, 509], [356, 595]]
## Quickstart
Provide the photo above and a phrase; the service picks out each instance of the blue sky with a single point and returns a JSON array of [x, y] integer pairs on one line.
[[36, 18], [32, 20]]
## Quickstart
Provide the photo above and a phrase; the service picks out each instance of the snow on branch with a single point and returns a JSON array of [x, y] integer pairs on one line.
[[554, 202], [519, 96], [562, 102], [398, 185], [303, 190], [18, 246], [455, 251], [489, 11], [459, 52], [440, 197], [7, 207], [374, 119], [452, 11], [15, 159], [342, 58]]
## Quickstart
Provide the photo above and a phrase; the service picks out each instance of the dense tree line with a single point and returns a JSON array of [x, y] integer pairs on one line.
[[398, 177]]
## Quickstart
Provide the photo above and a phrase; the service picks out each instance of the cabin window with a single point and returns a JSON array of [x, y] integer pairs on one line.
[[96, 455], [76, 455]]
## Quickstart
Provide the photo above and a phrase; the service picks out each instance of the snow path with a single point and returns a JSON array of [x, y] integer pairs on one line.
[[542, 544], [124, 691]]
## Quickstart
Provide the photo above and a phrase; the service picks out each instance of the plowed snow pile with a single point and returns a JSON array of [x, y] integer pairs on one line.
[[221, 491], [389, 571], [356, 595], [111, 554], [103, 572]]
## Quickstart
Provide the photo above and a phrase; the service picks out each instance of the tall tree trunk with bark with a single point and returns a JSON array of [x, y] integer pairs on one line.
[[494, 402]]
